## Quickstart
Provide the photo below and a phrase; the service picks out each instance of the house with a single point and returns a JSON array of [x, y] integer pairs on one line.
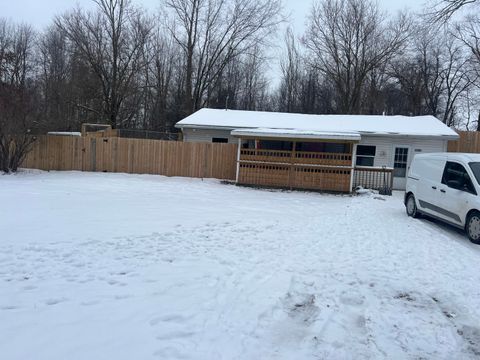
[[326, 152]]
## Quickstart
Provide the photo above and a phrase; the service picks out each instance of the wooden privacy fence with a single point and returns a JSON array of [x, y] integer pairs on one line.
[[139, 156], [322, 171], [469, 142]]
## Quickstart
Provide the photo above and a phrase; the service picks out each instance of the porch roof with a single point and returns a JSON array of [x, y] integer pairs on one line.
[[296, 134]]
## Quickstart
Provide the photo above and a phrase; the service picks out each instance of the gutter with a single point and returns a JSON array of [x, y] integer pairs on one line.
[[363, 133]]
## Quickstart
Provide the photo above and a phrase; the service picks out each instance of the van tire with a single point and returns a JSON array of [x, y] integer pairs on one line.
[[472, 227], [411, 206]]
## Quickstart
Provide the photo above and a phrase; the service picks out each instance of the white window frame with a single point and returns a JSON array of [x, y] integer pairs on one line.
[[367, 156], [409, 157]]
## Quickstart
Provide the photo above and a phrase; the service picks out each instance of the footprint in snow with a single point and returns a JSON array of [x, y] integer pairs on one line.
[[176, 335], [169, 352], [177, 318], [29, 287], [54, 301], [471, 335], [353, 300], [89, 303]]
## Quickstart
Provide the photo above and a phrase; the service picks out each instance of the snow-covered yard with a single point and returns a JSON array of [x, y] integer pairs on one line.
[[114, 266]]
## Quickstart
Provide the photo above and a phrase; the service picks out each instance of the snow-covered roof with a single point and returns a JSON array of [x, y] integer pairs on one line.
[[297, 134], [362, 124], [65, 133]]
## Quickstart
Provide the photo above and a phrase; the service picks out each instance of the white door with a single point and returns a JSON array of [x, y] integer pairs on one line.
[[400, 167]]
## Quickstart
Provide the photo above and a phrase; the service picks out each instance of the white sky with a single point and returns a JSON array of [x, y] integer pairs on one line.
[[40, 12]]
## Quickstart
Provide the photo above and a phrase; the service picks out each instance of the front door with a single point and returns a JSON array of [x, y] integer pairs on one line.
[[400, 167]]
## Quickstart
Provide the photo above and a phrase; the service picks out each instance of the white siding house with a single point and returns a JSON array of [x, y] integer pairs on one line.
[[385, 141], [385, 151]]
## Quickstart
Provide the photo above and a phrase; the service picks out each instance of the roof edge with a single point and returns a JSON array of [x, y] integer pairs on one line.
[[362, 133]]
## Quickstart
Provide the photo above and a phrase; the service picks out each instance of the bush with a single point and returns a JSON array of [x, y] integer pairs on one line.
[[13, 149]]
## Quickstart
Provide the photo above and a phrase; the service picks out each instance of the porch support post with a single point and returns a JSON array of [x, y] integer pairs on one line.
[[291, 170], [238, 159], [354, 155]]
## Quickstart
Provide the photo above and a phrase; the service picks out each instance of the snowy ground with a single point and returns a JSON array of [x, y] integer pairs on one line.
[[113, 266]]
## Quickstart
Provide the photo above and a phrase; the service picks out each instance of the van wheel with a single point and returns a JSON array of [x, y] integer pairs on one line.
[[411, 207], [472, 227]]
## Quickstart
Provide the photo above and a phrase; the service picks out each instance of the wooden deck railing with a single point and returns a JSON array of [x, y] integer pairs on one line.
[[377, 178], [295, 169], [296, 157], [265, 155], [296, 176]]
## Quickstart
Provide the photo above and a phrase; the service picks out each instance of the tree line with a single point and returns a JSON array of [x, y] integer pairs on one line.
[[120, 65]]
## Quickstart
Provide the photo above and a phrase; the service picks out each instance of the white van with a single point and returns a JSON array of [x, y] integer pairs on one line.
[[446, 186]]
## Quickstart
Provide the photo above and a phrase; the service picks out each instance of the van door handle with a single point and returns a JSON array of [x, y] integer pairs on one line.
[[443, 191], [434, 187]]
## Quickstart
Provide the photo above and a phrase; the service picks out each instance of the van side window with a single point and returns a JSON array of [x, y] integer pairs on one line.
[[456, 177]]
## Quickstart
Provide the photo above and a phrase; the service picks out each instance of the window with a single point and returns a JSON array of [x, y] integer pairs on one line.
[[456, 177], [329, 147], [475, 166], [248, 144], [400, 162], [219, 140], [275, 145], [365, 155]]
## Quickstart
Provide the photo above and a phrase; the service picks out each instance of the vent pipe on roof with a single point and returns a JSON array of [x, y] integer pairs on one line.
[[226, 102]]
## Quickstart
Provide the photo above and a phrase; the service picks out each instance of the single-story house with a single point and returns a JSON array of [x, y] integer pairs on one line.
[[327, 152]]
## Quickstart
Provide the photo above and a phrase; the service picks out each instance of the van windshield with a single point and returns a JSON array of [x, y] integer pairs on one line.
[[475, 166]]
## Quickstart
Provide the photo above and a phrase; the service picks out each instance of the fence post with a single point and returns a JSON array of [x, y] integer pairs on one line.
[[93, 154]]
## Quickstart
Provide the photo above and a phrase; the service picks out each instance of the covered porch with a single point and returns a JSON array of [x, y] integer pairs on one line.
[[296, 159], [310, 160]]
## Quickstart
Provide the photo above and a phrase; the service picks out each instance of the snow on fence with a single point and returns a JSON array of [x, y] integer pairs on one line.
[[469, 142], [139, 156]]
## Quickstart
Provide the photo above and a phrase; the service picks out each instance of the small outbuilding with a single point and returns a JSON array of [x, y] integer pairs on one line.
[[321, 152]]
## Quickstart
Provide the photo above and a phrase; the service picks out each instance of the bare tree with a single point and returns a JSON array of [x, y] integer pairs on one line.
[[17, 94], [212, 32], [468, 32], [458, 76], [443, 10], [291, 68], [162, 77], [111, 40], [348, 40]]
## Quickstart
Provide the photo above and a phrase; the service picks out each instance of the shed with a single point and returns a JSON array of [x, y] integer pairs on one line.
[[325, 152]]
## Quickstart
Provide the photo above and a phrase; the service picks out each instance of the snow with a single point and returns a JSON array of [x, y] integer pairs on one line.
[[115, 266], [65, 133], [299, 134], [363, 124]]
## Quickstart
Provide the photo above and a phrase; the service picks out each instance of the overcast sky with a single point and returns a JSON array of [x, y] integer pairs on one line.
[[40, 12]]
